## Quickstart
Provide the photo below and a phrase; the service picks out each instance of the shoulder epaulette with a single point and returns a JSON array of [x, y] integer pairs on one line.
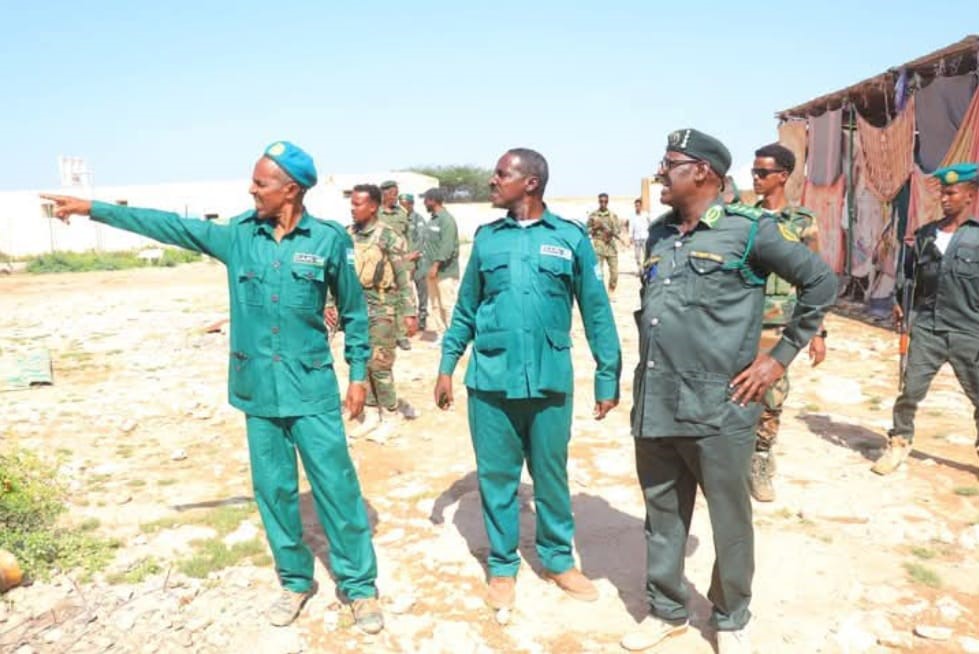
[[743, 210], [577, 224], [489, 224], [805, 211]]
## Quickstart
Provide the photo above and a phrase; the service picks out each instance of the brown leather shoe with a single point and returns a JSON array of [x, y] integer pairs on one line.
[[575, 584], [501, 592]]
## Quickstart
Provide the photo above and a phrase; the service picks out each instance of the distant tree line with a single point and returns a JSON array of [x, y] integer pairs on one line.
[[461, 183]]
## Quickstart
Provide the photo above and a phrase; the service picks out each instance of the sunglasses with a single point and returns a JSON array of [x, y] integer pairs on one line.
[[668, 164], [762, 173]]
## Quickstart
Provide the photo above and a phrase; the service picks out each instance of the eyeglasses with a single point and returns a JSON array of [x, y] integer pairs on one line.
[[762, 173], [667, 164]]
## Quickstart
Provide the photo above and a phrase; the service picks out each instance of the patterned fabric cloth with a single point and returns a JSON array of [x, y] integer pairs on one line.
[[887, 153], [792, 134], [828, 205]]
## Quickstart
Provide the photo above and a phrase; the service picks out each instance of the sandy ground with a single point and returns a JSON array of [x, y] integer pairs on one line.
[[138, 385]]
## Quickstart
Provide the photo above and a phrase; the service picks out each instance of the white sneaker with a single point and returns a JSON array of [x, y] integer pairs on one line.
[[651, 631], [733, 642]]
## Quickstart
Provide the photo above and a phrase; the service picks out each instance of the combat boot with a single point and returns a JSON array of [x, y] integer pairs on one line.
[[762, 471], [898, 449]]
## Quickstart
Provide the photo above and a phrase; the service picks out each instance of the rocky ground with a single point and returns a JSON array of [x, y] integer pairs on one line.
[[137, 420]]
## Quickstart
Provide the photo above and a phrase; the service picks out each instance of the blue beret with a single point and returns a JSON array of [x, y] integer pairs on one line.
[[296, 163], [960, 172]]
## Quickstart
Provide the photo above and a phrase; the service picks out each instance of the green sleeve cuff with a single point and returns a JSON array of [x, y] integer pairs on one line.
[[101, 211], [784, 351], [606, 389], [358, 371], [448, 365]]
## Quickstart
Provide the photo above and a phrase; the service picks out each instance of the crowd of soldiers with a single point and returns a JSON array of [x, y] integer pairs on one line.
[[730, 293]]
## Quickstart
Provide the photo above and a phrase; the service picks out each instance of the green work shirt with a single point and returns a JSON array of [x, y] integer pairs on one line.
[[396, 218], [443, 244], [702, 297], [417, 232], [515, 303], [946, 292], [280, 363]]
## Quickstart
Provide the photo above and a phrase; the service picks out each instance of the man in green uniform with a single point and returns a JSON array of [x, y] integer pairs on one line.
[[417, 234], [700, 377], [281, 261], [772, 166], [526, 271], [392, 215], [442, 258], [943, 266], [381, 269], [603, 227]]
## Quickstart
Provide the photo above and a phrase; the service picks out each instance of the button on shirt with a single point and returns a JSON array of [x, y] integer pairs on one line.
[[514, 305], [280, 362]]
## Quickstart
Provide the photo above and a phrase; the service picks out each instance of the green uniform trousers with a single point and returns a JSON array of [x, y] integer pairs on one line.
[[669, 471], [380, 368], [505, 433], [272, 445], [927, 352]]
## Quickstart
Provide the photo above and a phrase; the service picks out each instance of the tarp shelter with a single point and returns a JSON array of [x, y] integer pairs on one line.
[[869, 150]]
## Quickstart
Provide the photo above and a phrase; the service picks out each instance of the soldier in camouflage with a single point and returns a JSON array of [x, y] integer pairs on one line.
[[772, 166], [392, 215], [603, 228], [417, 234], [379, 261]]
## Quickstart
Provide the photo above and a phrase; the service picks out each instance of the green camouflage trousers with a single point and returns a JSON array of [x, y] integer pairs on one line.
[[380, 378], [611, 260], [771, 415]]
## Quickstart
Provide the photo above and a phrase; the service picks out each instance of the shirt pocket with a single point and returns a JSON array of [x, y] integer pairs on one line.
[[241, 380], [306, 287], [706, 277], [490, 359], [966, 263], [494, 270], [702, 398], [251, 287], [555, 275], [319, 379], [556, 373]]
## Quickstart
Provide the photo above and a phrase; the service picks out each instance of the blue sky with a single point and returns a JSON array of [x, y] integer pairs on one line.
[[182, 91]]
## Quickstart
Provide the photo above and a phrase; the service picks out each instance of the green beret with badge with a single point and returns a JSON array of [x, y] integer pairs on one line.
[[704, 147], [957, 173]]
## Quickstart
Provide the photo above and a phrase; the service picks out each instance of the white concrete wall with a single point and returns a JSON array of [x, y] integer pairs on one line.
[[24, 229]]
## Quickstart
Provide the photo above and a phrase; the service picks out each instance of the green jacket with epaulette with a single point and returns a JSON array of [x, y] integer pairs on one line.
[[779, 294], [702, 298]]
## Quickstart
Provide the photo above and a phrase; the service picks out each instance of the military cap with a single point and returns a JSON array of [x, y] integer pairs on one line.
[[960, 172], [434, 194], [296, 163], [407, 197], [700, 146], [388, 183]]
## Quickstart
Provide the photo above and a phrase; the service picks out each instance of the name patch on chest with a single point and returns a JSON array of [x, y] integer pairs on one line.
[[555, 251], [351, 257], [302, 257]]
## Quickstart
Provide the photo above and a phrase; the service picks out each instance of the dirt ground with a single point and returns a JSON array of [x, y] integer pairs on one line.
[[138, 421]]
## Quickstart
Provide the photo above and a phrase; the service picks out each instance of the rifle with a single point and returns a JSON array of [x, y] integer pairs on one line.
[[904, 326]]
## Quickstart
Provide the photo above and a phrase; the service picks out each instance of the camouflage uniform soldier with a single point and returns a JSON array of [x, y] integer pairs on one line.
[[603, 228], [417, 235], [392, 215], [772, 167], [378, 255]]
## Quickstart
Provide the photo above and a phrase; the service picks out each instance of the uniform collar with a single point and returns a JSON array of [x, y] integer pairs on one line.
[[709, 219], [366, 229], [547, 218], [304, 225]]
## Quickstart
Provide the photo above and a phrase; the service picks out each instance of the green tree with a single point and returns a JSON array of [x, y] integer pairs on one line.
[[461, 183]]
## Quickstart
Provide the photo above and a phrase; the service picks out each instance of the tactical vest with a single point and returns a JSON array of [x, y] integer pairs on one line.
[[374, 268]]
